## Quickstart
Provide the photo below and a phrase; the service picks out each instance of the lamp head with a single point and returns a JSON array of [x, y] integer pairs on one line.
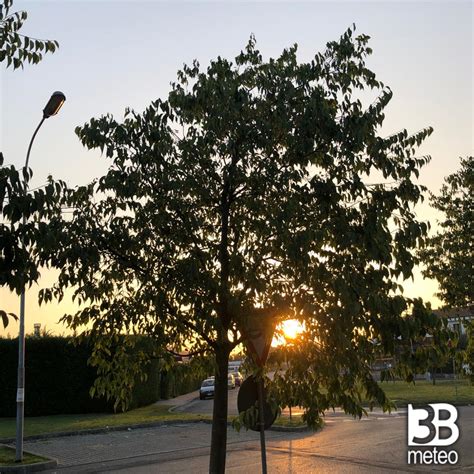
[[54, 104]]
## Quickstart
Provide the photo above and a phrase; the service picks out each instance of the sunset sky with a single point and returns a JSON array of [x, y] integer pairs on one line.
[[117, 54]]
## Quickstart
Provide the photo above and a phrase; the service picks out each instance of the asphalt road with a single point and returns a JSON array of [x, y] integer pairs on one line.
[[373, 445]]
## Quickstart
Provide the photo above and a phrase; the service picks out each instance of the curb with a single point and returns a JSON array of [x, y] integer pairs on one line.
[[291, 429], [61, 434], [404, 408], [34, 467]]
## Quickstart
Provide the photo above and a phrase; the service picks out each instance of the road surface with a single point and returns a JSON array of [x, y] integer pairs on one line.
[[373, 445]]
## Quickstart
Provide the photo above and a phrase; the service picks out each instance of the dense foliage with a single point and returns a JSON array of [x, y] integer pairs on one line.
[[256, 190], [449, 254], [466, 358]]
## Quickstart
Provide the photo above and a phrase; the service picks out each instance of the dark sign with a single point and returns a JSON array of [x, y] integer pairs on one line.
[[248, 397]]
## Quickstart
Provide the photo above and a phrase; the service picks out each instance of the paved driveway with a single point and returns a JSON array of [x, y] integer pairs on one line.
[[194, 405]]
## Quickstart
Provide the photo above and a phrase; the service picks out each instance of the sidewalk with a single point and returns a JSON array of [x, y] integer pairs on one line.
[[180, 400], [175, 442]]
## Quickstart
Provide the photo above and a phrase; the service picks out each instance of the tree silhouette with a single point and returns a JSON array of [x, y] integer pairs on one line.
[[449, 254]]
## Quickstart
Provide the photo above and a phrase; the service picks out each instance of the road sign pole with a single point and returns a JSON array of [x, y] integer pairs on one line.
[[262, 426]]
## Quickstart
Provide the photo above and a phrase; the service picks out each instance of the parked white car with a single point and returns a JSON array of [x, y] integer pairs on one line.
[[207, 386], [207, 389]]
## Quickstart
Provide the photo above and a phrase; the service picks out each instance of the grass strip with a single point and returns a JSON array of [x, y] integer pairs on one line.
[[7, 457], [422, 392], [295, 422], [66, 423]]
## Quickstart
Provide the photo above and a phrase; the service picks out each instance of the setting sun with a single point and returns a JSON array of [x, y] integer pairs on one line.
[[289, 330]]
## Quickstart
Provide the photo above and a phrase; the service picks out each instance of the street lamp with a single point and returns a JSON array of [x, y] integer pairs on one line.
[[52, 108]]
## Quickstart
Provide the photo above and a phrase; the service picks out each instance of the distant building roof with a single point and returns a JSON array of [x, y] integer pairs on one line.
[[466, 312]]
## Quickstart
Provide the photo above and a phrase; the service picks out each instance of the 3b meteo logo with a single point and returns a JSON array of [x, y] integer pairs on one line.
[[434, 425]]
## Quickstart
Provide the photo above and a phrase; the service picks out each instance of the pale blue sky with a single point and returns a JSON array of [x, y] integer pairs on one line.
[[115, 54]]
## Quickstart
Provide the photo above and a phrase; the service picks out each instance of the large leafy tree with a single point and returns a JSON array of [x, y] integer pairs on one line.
[[449, 254], [250, 193]]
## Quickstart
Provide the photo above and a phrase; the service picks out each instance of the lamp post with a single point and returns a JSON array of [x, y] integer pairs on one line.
[[52, 108]]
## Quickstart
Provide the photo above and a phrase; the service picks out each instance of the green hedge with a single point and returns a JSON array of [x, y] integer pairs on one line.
[[58, 379], [147, 392], [178, 381]]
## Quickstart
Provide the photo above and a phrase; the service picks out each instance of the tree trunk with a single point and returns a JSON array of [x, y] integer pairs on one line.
[[219, 414]]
